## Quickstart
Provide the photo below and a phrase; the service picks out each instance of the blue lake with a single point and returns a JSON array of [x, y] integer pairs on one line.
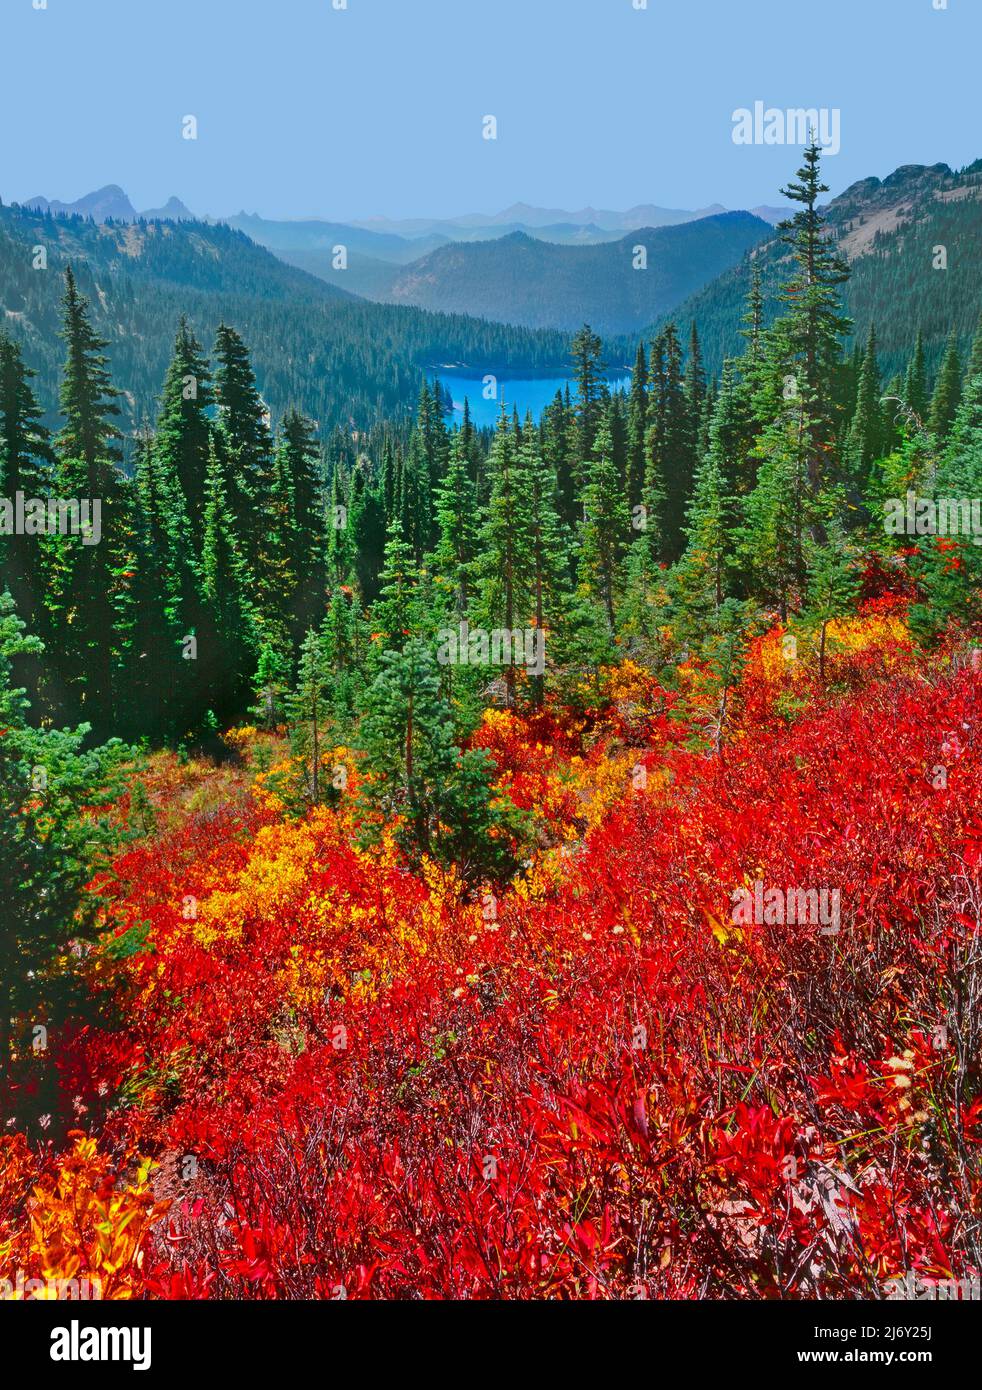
[[525, 394]]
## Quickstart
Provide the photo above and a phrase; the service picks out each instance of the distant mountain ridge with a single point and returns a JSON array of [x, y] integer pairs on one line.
[[111, 204], [396, 238], [535, 218], [314, 235], [523, 280]]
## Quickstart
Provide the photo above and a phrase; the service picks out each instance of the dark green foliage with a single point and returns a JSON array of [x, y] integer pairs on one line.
[[504, 564], [183, 429], [157, 695], [26, 466], [91, 587], [227, 649], [243, 439], [805, 343], [344, 639], [606, 529], [591, 391], [915, 381], [672, 437], [548, 561], [637, 429], [52, 840], [367, 527], [87, 396], [395, 614], [439, 796], [947, 392], [457, 520], [867, 433], [704, 577]]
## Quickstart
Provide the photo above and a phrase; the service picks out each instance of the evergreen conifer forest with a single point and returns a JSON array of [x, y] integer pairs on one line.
[[521, 856]]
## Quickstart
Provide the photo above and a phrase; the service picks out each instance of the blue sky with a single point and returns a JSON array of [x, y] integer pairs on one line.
[[304, 110]]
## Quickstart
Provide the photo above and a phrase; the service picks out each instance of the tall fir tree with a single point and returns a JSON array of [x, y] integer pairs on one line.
[[301, 464], [275, 575], [395, 612], [167, 608], [228, 646], [417, 486], [804, 346], [88, 397], [606, 528], [771, 543], [343, 640], [974, 367], [752, 329], [637, 428], [503, 566], [589, 372], [390, 478], [458, 523], [705, 576], [26, 466], [338, 551], [367, 527], [90, 596], [915, 381], [183, 426], [243, 438], [694, 385], [548, 563], [947, 392], [671, 444], [866, 433]]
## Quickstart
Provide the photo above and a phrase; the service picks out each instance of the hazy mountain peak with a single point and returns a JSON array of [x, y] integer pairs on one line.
[[104, 203], [111, 203], [172, 211]]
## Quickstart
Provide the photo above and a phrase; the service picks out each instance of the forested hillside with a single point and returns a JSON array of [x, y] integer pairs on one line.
[[891, 231], [341, 360]]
